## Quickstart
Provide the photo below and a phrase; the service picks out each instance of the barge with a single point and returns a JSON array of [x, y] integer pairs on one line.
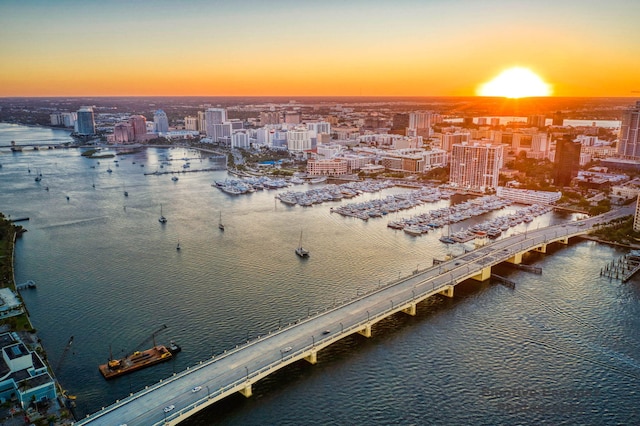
[[138, 360]]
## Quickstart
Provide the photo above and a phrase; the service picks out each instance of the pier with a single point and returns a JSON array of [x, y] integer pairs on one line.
[[622, 269], [237, 369], [26, 285], [20, 219]]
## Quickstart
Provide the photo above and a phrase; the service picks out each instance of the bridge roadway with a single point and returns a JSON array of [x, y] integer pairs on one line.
[[236, 370]]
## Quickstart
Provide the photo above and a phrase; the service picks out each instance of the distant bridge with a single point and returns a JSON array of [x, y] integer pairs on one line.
[[237, 369]]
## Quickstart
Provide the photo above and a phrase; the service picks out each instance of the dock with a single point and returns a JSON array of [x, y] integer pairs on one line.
[[20, 219], [528, 268], [171, 172], [504, 281], [622, 268], [26, 284]]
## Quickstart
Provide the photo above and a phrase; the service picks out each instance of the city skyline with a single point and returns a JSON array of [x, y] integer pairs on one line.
[[284, 48]]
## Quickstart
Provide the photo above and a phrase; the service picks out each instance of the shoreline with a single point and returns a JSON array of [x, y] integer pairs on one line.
[[611, 243], [29, 335]]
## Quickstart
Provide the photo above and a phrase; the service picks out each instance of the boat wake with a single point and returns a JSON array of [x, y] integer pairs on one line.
[[76, 222]]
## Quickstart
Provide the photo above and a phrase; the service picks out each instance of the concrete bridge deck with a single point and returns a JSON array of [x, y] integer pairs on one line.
[[237, 369]]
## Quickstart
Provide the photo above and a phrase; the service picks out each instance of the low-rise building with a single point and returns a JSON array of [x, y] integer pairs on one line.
[[23, 374], [528, 196], [335, 166]]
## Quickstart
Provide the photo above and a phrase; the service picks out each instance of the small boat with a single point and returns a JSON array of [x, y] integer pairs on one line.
[[162, 219], [320, 179], [301, 251], [447, 240], [220, 224], [175, 178], [178, 246]]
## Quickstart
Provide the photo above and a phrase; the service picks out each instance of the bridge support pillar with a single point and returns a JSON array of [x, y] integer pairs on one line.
[[564, 240], [541, 248], [366, 331], [447, 291], [516, 259], [246, 391], [410, 310], [484, 275], [312, 358]]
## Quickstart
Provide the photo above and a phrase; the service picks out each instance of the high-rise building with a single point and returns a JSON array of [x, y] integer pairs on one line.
[[450, 139], [213, 116], [66, 119], [292, 117], [139, 125], [558, 119], [567, 159], [85, 124], [629, 144], [161, 121], [202, 122], [476, 165], [420, 123], [191, 123], [269, 117], [536, 120], [420, 120], [299, 139], [123, 133], [319, 127]]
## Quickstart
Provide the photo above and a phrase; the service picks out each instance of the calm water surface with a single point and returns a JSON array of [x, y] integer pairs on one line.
[[560, 348]]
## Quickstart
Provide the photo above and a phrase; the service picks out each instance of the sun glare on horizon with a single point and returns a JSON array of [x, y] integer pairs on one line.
[[515, 82]]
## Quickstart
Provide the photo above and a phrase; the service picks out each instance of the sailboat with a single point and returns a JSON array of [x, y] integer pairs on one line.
[[301, 251], [220, 224], [447, 238], [162, 219], [178, 246]]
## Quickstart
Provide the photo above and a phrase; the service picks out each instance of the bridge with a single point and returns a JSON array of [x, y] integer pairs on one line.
[[236, 370]]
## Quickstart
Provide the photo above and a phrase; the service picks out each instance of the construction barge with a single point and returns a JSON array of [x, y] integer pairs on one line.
[[138, 360]]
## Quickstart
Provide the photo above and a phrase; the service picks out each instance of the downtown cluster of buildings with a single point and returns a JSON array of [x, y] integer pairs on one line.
[[133, 129], [339, 140]]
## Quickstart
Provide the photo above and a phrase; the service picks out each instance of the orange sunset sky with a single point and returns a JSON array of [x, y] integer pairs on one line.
[[314, 48]]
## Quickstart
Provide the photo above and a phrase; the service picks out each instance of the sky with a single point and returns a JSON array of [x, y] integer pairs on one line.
[[314, 47]]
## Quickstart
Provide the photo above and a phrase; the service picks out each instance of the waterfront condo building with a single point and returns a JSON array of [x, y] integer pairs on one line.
[[334, 166], [123, 133], [475, 165], [629, 144], [86, 124], [161, 122], [139, 125]]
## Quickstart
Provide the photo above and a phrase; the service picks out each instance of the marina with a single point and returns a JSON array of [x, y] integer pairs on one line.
[[238, 284]]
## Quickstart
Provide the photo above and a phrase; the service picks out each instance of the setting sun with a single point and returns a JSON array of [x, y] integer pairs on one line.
[[515, 83]]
